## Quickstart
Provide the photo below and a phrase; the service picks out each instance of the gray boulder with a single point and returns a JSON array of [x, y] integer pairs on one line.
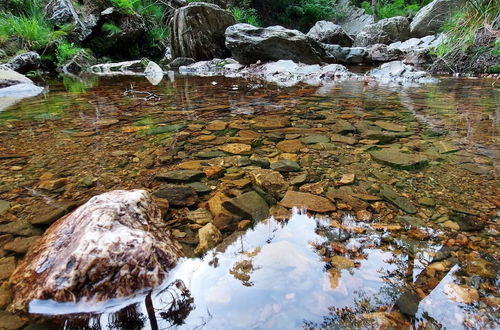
[[24, 63], [400, 73], [249, 44], [345, 55], [82, 61], [61, 12], [383, 53], [384, 31], [198, 31], [113, 246], [330, 33], [14, 87], [181, 61], [430, 18], [354, 19]]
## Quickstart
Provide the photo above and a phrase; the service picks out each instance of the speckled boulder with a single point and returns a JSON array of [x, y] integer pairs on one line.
[[111, 247]]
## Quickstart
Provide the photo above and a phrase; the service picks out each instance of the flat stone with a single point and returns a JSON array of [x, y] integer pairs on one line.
[[5, 295], [290, 146], [342, 127], [411, 221], [355, 203], [49, 214], [210, 154], [467, 222], [340, 262], [248, 205], [271, 181], [307, 201], [347, 178], [7, 267], [20, 244], [285, 165], [399, 159], [444, 147], [20, 228], [10, 321], [4, 206], [461, 293], [480, 267], [209, 237], [408, 303], [393, 197], [271, 122], [427, 201], [53, 184], [177, 195], [179, 176], [237, 148], [199, 187], [216, 126], [388, 126], [215, 203], [313, 139], [200, 216], [343, 139], [477, 169]]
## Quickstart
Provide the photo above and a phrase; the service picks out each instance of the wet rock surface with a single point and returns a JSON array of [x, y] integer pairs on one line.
[[100, 251]]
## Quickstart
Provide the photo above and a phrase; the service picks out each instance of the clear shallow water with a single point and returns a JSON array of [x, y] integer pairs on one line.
[[103, 134]]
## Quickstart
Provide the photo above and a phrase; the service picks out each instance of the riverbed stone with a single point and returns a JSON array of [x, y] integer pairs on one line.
[[7, 267], [209, 237], [398, 159], [307, 201], [177, 195], [285, 165], [200, 216], [4, 206], [10, 321], [119, 245], [388, 126], [20, 244], [237, 148], [444, 147], [249, 205], [20, 227], [49, 214], [480, 267], [179, 176], [313, 139], [290, 146], [400, 201], [269, 180], [271, 122]]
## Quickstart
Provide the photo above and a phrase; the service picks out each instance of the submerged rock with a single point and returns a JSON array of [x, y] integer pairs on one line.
[[198, 31], [398, 72], [307, 201], [249, 44], [249, 205], [14, 87], [399, 159], [400, 201], [111, 247]]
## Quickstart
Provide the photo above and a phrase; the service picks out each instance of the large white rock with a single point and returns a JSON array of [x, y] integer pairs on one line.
[[430, 18], [111, 247]]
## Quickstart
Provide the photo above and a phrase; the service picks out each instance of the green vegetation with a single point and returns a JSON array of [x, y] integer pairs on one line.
[[243, 13], [111, 29], [470, 35], [391, 8], [303, 14], [65, 51], [26, 21]]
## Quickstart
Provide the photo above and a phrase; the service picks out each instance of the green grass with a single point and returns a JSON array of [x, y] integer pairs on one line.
[[391, 8], [246, 15], [461, 28], [65, 51]]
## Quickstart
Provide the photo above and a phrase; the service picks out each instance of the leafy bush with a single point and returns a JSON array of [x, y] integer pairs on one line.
[[391, 8], [65, 51], [127, 6], [243, 13], [303, 14]]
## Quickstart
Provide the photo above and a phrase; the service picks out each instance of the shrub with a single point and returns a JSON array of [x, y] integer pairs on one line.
[[243, 13], [65, 51], [391, 8]]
